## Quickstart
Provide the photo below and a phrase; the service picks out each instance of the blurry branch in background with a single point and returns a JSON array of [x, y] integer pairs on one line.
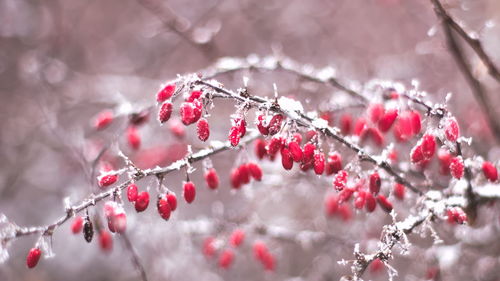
[[134, 256], [449, 25]]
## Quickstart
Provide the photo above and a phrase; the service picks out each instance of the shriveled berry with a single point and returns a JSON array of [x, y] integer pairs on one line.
[[275, 124], [334, 163], [103, 119], [340, 180], [132, 192], [384, 203], [286, 158], [133, 138], [451, 129], [237, 237], [255, 171], [399, 191], [386, 121], [172, 201], [203, 129], [33, 257], [105, 240], [165, 112], [457, 167], [77, 225], [211, 178], [375, 183], [163, 207], [165, 93], [139, 118], [260, 148], [319, 163], [142, 201], [226, 258], [189, 191], [490, 171], [88, 229]]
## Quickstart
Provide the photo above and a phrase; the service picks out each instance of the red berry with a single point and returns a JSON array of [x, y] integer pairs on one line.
[[118, 221], [163, 207], [234, 136], [165, 112], [209, 247], [308, 153], [33, 257], [237, 238], [334, 163], [403, 129], [275, 124], [165, 93], [142, 201], [428, 146], [451, 129], [311, 134], [319, 163], [360, 126], [444, 158], [345, 124], [203, 129], [263, 129], [345, 212], [177, 129], [416, 154], [457, 167], [105, 240], [386, 121], [376, 266], [286, 159], [274, 145], [107, 180], [189, 191], [211, 178], [235, 178], [187, 113], [456, 215], [103, 119], [345, 195], [172, 201], [226, 258], [360, 200], [340, 180], [133, 138], [260, 148], [297, 137], [376, 111], [260, 250], [197, 110], [244, 174], [77, 225], [370, 202], [375, 183], [384, 203], [399, 191], [331, 205], [416, 121], [374, 134], [295, 150], [194, 95], [132, 192], [490, 172], [255, 171]]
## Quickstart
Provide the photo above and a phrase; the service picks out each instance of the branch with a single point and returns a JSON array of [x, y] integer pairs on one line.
[[135, 257]]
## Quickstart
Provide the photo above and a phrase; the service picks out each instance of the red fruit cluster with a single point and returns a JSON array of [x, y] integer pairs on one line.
[[273, 127], [262, 254], [424, 150], [139, 199], [243, 173], [116, 217], [456, 215]]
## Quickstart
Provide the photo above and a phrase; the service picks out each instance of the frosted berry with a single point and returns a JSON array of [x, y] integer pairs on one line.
[[237, 238], [308, 153], [211, 178], [334, 163], [142, 201], [263, 129], [416, 121], [260, 148], [297, 137], [428, 146], [172, 201], [456, 215], [416, 154], [132, 192], [133, 138], [189, 191], [360, 200], [255, 171], [107, 180], [275, 124], [457, 167], [33, 257], [105, 240], [163, 207], [275, 145], [340, 180], [118, 221], [165, 93], [187, 113], [77, 225], [386, 121], [197, 110], [384, 203], [203, 129], [226, 258], [319, 163], [295, 150], [451, 129], [165, 112], [234, 136], [194, 95], [375, 183], [286, 159], [345, 195], [103, 119], [399, 191], [490, 171]]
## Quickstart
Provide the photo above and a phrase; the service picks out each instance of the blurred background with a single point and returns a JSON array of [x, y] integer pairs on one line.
[[62, 62]]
